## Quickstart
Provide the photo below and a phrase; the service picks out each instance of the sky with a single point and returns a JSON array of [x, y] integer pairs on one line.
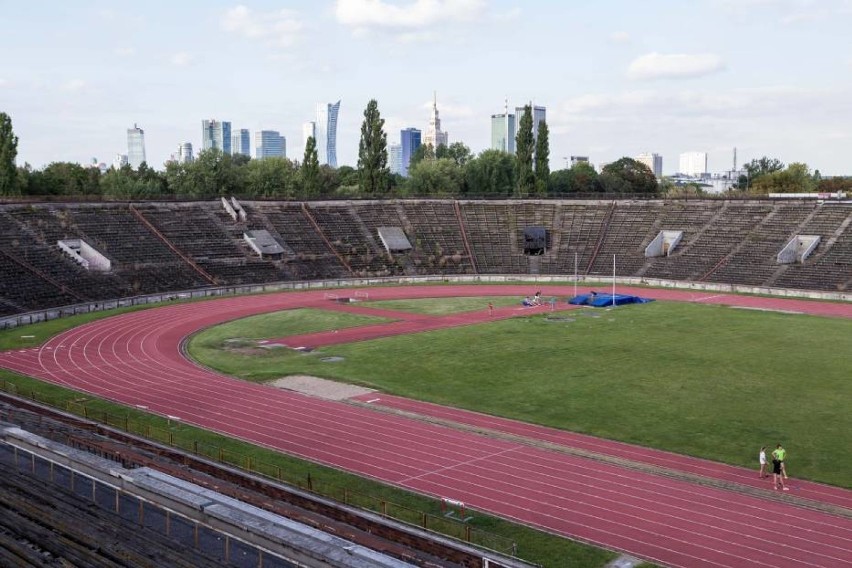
[[618, 78]]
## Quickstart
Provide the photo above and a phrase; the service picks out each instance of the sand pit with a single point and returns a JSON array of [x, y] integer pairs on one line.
[[321, 388]]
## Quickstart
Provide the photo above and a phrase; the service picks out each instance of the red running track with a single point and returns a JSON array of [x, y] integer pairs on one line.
[[136, 359]]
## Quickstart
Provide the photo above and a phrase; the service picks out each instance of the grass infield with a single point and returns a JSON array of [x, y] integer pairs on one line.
[[708, 381]]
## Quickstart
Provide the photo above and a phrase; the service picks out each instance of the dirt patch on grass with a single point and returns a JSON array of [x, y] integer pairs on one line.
[[321, 388]]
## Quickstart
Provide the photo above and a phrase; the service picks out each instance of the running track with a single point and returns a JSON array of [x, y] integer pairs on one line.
[[136, 359]]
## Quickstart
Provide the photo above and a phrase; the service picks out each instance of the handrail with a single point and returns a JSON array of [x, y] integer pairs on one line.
[[171, 246], [463, 230], [42, 275], [324, 238]]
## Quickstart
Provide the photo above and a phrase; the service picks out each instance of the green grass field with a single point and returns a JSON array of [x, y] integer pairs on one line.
[[708, 381]]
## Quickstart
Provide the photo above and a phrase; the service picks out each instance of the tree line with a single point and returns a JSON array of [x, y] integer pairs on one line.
[[446, 171]]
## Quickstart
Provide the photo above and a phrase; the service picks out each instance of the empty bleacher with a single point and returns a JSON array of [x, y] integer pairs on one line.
[[313, 259], [437, 237], [162, 247]]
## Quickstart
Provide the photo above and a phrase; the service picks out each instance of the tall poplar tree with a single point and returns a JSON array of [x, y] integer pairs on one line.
[[542, 159], [8, 153], [373, 171], [524, 176], [310, 171]]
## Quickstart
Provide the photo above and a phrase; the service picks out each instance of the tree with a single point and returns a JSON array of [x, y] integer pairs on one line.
[[542, 159], [435, 177], [212, 173], [272, 177], [423, 152], [560, 181], [584, 178], [65, 178], [835, 185], [310, 169], [795, 179], [348, 175], [490, 173], [457, 152], [579, 178], [124, 183], [373, 152], [756, 169], [524, 176], [628, 176], [8, 153]]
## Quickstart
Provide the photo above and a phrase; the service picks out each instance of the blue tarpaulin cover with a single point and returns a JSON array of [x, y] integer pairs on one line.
[[603, 300]]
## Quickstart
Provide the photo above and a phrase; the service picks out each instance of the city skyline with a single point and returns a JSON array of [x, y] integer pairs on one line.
[[617, 78]]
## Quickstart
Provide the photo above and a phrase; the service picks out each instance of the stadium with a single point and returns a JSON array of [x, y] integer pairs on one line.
[[561, 434]]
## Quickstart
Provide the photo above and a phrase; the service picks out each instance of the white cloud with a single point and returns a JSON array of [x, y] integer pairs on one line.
[[674, 66], [124, 51], [281, 28], [3, 83], [181, 59], [686, 105], [509, 15], [619, 37], [423, 36], [73, 86], [417, 14], [449, 110]]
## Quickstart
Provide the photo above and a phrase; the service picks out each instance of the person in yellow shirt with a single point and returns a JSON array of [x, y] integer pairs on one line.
[[780, 454]]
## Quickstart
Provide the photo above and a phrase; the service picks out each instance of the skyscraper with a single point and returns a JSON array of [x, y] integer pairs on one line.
[[269, 144], [395, 159], [653, 161], [215, 134], [409, 141], [503, 131], [184, 155], [135, 147], [120, 161], [434, 135], [538, 115], [241, 142], [325, 133], [693, 164]]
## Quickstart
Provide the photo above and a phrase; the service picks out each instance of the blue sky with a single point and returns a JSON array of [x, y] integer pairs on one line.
[[771, 77]]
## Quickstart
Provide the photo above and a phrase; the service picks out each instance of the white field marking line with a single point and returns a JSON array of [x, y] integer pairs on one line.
[[567, 512], [254, 413], [746, 517], [653, 487], [334, 417], [570, 517], [456, 465], [740, 517], [609, 448], [372, 400], [678, 464], [548, 493], [251, 410]]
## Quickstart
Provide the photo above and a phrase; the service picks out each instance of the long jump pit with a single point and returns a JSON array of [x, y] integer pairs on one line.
[[320, 388]]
